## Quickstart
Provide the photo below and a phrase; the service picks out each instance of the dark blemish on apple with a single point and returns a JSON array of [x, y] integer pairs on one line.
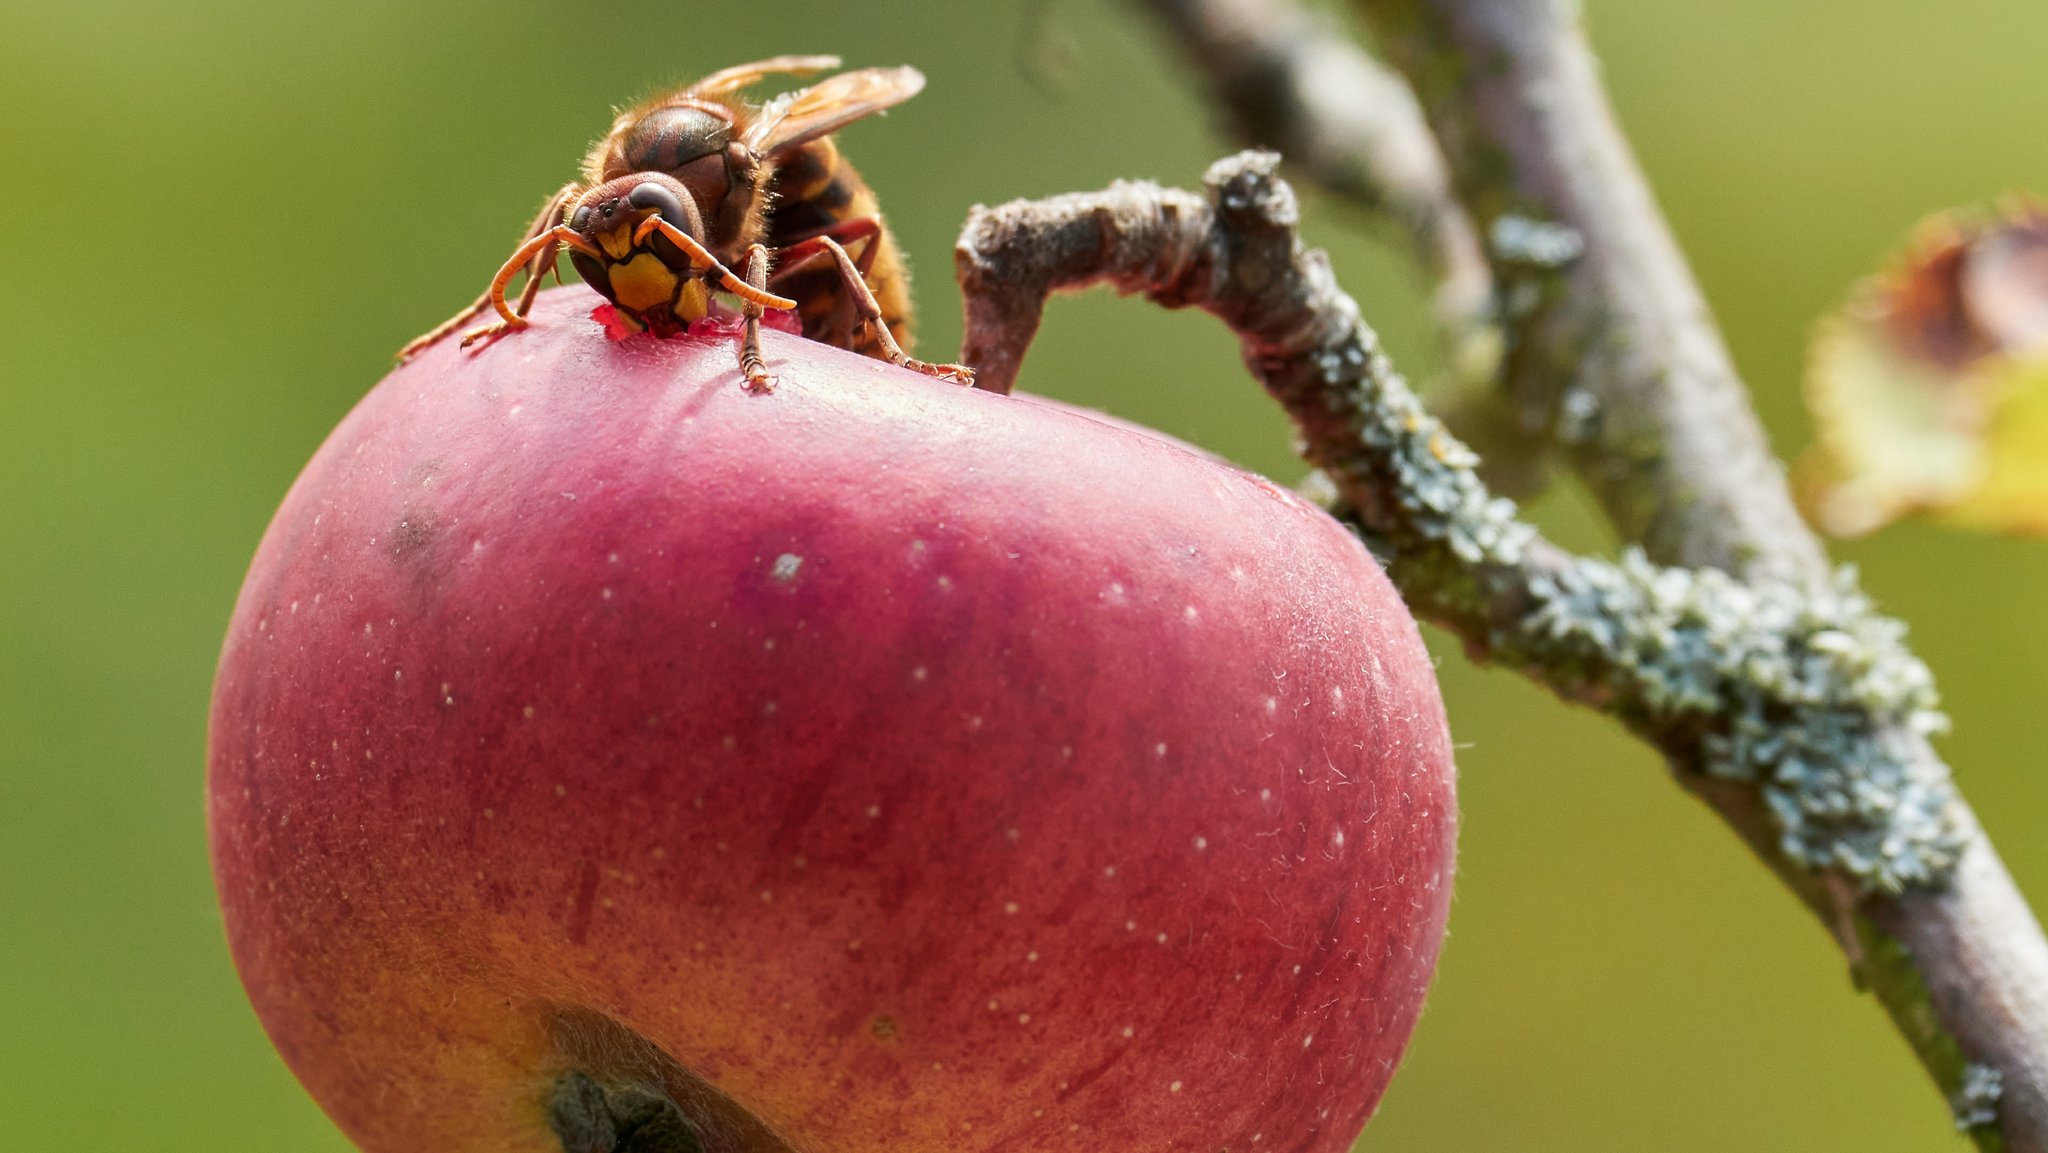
[[1089, 1076], [884, 1028], [410, 538]]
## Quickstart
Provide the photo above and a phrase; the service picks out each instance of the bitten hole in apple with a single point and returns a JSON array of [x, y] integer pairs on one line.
[[610, 1090]]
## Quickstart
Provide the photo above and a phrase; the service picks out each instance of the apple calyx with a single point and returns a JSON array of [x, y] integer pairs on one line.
[[616, 1091], [591, 1118]]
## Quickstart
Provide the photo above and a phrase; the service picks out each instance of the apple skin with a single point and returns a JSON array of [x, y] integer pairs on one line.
[[873, 764]]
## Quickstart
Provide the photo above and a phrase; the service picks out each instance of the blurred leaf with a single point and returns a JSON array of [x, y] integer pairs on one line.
[[1929, 387]]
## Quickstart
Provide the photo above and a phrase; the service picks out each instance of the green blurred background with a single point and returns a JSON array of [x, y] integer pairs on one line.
[[225, 215]]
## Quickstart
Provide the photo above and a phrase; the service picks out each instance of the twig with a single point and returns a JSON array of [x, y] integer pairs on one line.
[[1798, 714], [1286, 81], [1514, 95]]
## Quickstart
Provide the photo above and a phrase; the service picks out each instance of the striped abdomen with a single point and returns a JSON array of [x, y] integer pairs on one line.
[[816, 190]]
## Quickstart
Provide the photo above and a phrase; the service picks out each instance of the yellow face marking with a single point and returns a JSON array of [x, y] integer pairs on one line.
[[693, 302], [618, 242], [644, 282]]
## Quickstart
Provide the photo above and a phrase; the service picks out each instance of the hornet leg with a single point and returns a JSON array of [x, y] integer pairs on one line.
[[870, 312], [758, 379], [524, 261], [551, 215]]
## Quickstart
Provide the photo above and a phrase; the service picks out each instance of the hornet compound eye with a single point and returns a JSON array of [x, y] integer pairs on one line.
[[661, 200]]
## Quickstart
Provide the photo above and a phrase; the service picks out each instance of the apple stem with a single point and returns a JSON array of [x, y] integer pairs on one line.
[[591, 1118]]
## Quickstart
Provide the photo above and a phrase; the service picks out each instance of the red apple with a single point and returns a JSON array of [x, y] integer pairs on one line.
[[602, 751]]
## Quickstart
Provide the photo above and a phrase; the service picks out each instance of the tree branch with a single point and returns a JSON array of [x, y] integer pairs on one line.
[[1286, 80], [1795, 711], [1675, 454]]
